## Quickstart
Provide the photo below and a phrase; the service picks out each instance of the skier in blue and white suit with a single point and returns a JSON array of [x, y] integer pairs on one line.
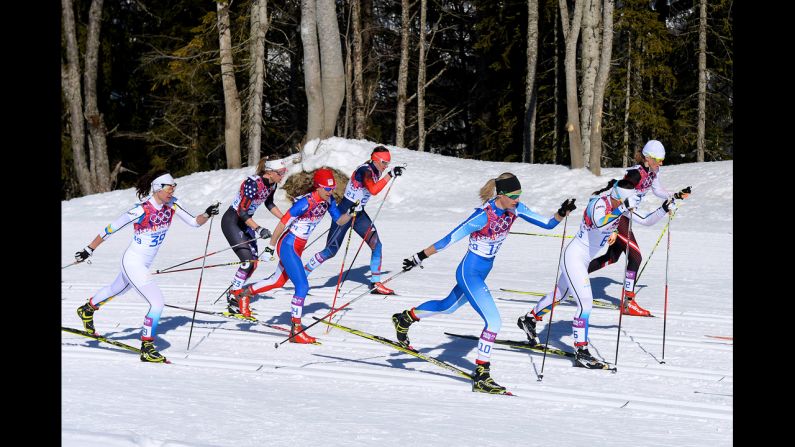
[[487, 228], [600, 219]]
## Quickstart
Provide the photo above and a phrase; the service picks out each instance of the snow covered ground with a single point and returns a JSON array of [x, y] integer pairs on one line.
[[232, 388]]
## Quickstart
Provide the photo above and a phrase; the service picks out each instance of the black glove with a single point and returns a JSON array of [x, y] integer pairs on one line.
[[212, 210], [567, 206], [84, 254], [397, 171], [682, 194], [669, 205], [264, 233], [353, 207], [632, 201], [414, 260]]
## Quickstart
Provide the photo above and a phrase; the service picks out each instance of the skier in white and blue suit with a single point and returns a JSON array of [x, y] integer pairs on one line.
[[487, 228]]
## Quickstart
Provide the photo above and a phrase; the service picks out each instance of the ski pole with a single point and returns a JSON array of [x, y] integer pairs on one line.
[[206, 267], [76, 262], [276, 345], [367, 233], [318, 237], [623, 289], [201, 275], [264, 250], [554, 294], [342, 266], [206, 255], [539, 234], [665, 311], [655, 245]]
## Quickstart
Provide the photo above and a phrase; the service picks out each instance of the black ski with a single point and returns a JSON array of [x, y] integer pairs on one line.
[[98, 337], [523, 344], [520, 344], [597, 302], [400, 348], [236, 316]]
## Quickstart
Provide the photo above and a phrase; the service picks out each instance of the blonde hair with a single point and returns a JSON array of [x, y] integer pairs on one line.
[[489, 190]]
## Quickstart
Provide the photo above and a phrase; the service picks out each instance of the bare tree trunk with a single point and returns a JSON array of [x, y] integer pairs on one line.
[[602, 76], [571, 33], [332, 71], [232, 106], [421, 79], [97, 142], [348, 87], [625, 156], [530, 88], [702, 79], [259, 27], [74, 100], [314, 91], [403, 75], [358, 83], [589, 61], [556, 94]]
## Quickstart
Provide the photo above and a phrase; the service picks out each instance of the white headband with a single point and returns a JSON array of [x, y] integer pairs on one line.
[[165, 179], [276, 165]]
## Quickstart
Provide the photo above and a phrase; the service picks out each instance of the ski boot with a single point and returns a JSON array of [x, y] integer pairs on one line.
[[402, 321], [380, 289], [528, 325], [239, 301], [86, 313], [482, 381], [631, 306], [303, 337], [584, 359], [150, 354]]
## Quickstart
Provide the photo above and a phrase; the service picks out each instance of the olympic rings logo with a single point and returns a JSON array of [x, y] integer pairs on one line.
[[160, 217], [500, 224], [319, 210]]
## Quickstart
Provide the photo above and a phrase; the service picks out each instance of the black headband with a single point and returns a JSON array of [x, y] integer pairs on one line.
[[506, 185]]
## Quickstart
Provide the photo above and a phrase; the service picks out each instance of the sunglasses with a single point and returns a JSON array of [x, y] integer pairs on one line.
[[514, 195], [658, 160], [329, 188], [168, 188]]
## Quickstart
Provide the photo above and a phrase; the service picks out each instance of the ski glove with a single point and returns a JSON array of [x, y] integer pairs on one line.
[[84, 254], [683, 194], [632, 201], [566, 207], [397, 171], [264, 233], [353, 207], [669, 205], [414, 260], [212, 210]]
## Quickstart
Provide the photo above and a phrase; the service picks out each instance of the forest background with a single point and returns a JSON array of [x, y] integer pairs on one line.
[[193, 85]]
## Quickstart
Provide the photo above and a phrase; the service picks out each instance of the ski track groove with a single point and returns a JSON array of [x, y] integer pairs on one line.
[[399, 378]]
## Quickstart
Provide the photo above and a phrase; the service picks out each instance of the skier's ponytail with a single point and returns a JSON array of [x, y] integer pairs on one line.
[[609, 185], [144, 183]]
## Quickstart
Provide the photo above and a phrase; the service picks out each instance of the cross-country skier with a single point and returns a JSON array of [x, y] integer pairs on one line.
[[299, 221], [151, 219], [366, 181], [239, 226], [487, 229], [600, 218], [645, 176]]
